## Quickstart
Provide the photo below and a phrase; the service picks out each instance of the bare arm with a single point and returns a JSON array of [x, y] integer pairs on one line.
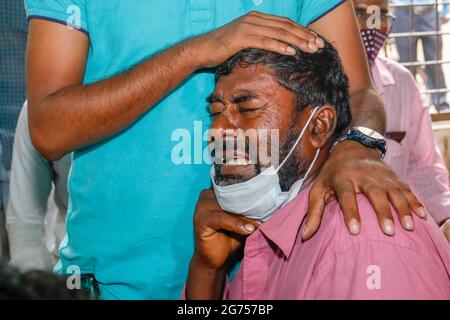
[[66, 115], [204, 283], [341, 28]]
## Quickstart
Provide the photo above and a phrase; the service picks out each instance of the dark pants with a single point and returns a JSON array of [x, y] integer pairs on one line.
[[407, 46]]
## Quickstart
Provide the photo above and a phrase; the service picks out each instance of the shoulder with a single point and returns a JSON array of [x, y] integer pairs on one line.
[[398, 71], [413, 265], [423, 240], [66, 12]]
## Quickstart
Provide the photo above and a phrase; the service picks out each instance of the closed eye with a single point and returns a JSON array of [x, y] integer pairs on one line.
[[249, 108], [215, 109]]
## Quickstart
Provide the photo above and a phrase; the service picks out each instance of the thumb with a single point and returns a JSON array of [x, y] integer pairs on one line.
[[232, 223]]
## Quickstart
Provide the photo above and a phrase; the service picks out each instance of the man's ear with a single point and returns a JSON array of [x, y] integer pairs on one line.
[[323, 126]]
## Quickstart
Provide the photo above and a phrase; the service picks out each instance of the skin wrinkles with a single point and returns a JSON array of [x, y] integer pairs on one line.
[[270, 102]]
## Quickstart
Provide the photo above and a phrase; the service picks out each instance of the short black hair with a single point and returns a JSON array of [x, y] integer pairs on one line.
[[35, 285], [316, 78]]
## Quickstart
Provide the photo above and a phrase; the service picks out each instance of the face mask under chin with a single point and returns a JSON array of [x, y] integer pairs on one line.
[[261, 196]]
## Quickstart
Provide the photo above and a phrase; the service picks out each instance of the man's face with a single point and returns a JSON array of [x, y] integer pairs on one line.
[[361, 10], [250, 98]]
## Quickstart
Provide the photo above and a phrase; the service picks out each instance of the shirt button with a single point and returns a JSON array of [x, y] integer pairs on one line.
[[201, 10]]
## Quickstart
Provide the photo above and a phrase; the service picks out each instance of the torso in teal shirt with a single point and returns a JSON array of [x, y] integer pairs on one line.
[[130, 211]]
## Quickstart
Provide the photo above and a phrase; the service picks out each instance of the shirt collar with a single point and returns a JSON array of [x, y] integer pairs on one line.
[[381, 75], [283, 228]]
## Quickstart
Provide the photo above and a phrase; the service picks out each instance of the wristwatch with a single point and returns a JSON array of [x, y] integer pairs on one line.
[[367, 137]]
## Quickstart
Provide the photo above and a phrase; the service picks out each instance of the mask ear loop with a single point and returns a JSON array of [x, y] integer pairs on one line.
[[312, 164], [313, 113], [297, 189]]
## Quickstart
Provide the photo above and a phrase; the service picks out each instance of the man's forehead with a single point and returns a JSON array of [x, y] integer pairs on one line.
[[249, 78]]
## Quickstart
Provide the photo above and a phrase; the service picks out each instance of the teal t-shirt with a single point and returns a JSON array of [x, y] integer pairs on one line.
[[130, 210]]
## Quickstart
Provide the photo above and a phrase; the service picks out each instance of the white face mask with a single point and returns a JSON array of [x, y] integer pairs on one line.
[[261, 196]]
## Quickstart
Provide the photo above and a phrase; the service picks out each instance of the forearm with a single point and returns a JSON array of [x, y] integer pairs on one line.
[[368, 110], [204, 283], [80, 115]]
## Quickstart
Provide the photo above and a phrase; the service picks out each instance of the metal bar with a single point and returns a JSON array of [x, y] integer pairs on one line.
[[419, 34], [411, 5], [438, 49], [431, 8], [430, 91], [412, 41], [424, 63]]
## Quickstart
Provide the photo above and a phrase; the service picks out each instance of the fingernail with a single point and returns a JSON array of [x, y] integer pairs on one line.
[[320, 43], [408, 223], [291, 50], [249, 227], [421, 212], [388, 227], [354, 227]]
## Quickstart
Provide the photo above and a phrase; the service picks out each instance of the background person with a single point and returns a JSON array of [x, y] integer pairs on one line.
[[35, 229], [412, 149], [35, 285]]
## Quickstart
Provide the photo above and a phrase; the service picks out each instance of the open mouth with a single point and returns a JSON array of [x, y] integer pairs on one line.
[[244, 170], [236, 161]]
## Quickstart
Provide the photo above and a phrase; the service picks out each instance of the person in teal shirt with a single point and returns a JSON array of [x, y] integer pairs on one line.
[[126, 75]]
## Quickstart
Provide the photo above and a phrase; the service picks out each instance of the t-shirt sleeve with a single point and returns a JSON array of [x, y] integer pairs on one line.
[[67, 12], [313, 10]]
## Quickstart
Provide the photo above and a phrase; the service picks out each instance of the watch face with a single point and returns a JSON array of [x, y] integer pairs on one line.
[[368, 141], [370, 133]]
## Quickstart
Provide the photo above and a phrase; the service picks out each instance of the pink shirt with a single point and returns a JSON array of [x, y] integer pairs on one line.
[[417, 159], [337, 265]]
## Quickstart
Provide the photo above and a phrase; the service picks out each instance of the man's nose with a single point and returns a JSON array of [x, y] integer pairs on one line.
[[226, 128], [227, 120]]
